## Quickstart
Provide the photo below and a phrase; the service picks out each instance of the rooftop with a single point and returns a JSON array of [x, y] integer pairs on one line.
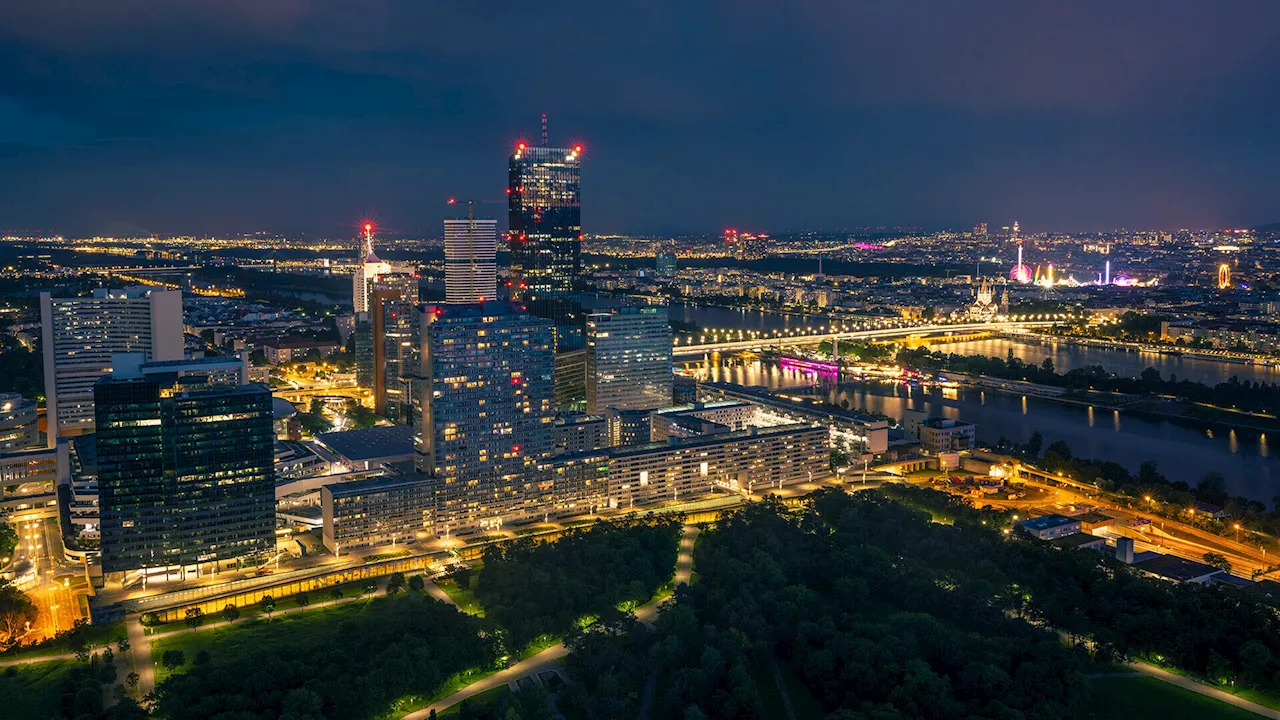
[[1046, 522], [371, 443], [374, 484], [1075, 540], [1171, 567]]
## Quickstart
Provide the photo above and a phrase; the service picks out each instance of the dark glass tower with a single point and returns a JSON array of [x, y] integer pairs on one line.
[[545, 221], [185, 476]]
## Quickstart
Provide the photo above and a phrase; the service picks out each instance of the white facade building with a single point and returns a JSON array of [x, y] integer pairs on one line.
[[470, 260], [80, 335]]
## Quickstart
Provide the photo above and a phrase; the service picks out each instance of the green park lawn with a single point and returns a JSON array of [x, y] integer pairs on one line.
[[98, 636], [465, 599], [226, 642], [1146, 698], [32, 691], [488, 697]]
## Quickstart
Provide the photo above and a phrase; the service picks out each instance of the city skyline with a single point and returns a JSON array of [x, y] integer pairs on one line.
[[1069, 118]]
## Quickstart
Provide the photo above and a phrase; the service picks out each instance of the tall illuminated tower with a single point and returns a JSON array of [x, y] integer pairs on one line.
[[545, 235]]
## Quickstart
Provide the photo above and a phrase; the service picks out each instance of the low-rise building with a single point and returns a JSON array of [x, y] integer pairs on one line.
[[368, 448], [378, 511], [1049, 527], [288, 349], [628, 427], [1177, 570], [1080, 541], [939, 434]]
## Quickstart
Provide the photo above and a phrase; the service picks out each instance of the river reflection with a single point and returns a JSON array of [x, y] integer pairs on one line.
[[1183, 453]]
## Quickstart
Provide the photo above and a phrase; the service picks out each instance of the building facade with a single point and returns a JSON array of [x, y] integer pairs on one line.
[[938, 434], [470, 260], [577, 432], [545, 235], [484, 424], [79, 336], [18, 429], [628, 359], [185, 471], [376, 511]]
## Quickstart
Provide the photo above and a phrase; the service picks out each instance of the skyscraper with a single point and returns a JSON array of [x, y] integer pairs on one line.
[[545, 235], [185, 467], [628, 359], [485, 419], [470, 264], [393, 327], [79, 336]]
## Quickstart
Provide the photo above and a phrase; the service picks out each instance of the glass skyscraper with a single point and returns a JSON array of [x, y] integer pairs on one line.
[[185, 471], [485, 413], [545, 236]]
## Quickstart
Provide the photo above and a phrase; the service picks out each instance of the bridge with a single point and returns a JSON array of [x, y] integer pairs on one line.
[[763, 342]]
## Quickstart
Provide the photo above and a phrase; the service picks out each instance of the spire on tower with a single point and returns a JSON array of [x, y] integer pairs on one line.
[[544, 129]]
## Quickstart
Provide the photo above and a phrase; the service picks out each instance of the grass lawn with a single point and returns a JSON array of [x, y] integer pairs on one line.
[[254, 611], [97, 635], [227, 642], [537, 645], [1145, 698], [406, 705], [1257, 696], [34, 691], [466, 599]]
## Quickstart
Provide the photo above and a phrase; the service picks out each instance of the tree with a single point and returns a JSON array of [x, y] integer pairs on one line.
[[230, 613], [335, 592], [194, 617], [132, 681], [1059, 448], [303, 600], [122, 644], [8, 541], [370, 587], [268, 604], [108, 657], [1213, 483], [16, 612], [203, 657], [395, 583], [173, 659], [1034, 444], [1047, 365], [417, 584], [462, 576], [1217, 560]]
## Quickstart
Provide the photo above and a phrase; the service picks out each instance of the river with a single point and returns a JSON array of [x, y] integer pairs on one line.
[[1182, 452]]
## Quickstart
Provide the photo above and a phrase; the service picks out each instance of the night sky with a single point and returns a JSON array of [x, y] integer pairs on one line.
[[773, 115]]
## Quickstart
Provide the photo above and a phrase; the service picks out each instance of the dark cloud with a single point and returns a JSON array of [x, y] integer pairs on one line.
[[194, 116]]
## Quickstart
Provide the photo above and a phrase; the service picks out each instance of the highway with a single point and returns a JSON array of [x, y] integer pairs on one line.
[[763, 342]]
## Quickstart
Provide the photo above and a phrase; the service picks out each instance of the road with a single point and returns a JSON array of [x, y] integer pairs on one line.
[[550, 657]]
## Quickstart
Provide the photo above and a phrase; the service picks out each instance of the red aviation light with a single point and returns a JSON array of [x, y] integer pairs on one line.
[[368, 227], [515, 448], [453, 201], [577, 148], [520, 147]]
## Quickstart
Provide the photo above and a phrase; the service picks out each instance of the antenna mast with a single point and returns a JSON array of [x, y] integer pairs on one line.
[[544, 129]]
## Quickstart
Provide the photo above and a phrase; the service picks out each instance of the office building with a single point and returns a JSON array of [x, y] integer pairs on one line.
[[393, 336], [576, 432], [29, 481], [185, 468], [665, 265], [470, 260], [1049, 527], [628, 427], [571, 381], [484, 422], [18, 429], [545, 235], [628, 359], [711, 418], [750, 460], [79, 336], [938, 434], [376, 511]]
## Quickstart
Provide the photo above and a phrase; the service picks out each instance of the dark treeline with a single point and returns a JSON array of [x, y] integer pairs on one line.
[[532, 589], [882, 613], [21, 370], [1246, 395], [367, 661]]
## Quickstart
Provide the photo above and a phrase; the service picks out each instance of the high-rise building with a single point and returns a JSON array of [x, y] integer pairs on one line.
[[394, 329], [470, 260], [545, 235], [665, 266], [485, 413], [628, 359], [79, 336], [374, 273], [18, 429], [185, 468]]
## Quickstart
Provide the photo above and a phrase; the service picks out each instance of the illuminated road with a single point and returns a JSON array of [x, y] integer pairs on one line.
[[763, 342]]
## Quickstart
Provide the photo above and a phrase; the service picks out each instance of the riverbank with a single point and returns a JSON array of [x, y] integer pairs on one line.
[[1223, 356]]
